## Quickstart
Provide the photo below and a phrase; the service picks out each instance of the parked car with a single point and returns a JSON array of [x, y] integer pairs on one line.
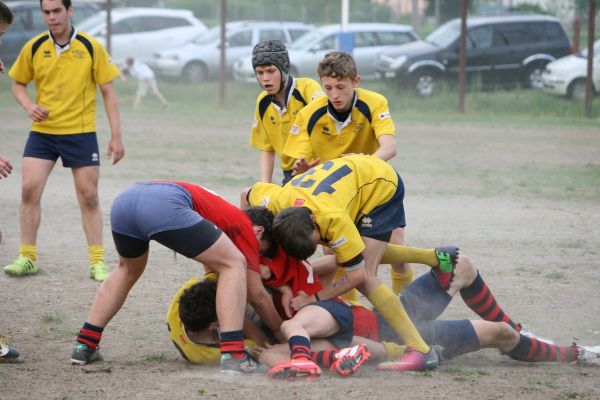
[[200, 59], [500, 49], [137, 31], [370, 40], [28, 22], [567, 76]]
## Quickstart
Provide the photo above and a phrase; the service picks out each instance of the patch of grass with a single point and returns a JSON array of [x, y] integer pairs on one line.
[[52, 318], [570, 395], [55, 332], [424, 374], [548, 384], [555, 276], [155, 357]]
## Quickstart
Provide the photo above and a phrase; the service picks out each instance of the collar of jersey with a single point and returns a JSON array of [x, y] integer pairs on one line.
[[66, 46], [291, 86], [341, 117]]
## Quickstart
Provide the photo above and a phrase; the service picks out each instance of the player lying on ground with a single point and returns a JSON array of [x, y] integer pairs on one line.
[[344, 325], [189, 220]]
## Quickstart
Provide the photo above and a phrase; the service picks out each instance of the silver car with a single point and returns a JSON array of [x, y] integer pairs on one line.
[[370, 40], [199, 59]]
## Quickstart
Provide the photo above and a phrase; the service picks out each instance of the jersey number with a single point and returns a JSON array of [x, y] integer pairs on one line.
[[326, 185]]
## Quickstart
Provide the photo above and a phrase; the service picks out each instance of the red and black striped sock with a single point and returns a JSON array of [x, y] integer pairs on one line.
[[232, 342], [479, 298], [300, 347], [323, 358], [90, 335], [533, 350]]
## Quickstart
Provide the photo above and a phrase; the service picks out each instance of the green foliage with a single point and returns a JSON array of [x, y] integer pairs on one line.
[[449, 9], [529, 7]]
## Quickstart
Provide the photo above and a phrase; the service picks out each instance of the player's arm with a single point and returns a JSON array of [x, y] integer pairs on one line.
[[36, 112], [267, 164], [111, 105], [253, 332], [261, 301], [387, 147]]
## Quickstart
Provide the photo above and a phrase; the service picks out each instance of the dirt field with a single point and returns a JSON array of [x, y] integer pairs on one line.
[[522, 202]]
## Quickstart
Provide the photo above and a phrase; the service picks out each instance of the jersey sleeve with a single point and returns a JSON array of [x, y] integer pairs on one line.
[[298, 143], [261, 194], [22, 69], [344, 239], [382, 121], [103, 69], [258, 135]]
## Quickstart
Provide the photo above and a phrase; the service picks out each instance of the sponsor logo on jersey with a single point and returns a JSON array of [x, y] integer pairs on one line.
[[299, 203], [295, 129], [358, 128], [265, 201], [384, 115], [273, 120], [95, 157], [47, 54], [337, 243], [316, 94], [366, 222], [325, 130], [255, 123], [79, 54]]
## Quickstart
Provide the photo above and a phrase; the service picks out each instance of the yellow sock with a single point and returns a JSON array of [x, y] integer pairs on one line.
[[96, 254], [401, 280], [390, 308], [397, 254], [393, 350], [351, 295], [29, 251]]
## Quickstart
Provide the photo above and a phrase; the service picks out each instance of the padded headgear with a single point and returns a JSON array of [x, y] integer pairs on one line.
[[272, 52]]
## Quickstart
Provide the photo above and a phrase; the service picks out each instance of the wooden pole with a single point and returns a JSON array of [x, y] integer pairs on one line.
[[108, 25], [462, 52], [223, 71], [590, 60]]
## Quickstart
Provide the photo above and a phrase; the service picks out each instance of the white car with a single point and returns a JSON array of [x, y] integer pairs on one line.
[[138, 32], [370, 40], [200, 59], [566, 76]]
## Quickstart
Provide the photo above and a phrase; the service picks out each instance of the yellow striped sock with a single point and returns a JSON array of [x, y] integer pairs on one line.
[[397, 254], [29, 251], [96, 254], [393, 350], [401, 280], [390, 308]]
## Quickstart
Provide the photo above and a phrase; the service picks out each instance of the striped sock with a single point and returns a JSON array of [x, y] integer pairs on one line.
[[533, 350], [323, 358], [90, 335], [479, 298], [233, 343], [96, 254], [300, 347]]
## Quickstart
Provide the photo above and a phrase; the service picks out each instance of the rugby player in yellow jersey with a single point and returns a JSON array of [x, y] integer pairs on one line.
[[349, 120], [277, 105], [353, 205], [67, 66]]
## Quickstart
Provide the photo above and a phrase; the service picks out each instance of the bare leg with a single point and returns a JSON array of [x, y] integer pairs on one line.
[[35, 175], [86, 187]]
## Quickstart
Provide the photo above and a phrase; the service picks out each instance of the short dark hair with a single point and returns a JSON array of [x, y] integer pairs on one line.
[[6, 15], [198, 305], [262, 216], [339, 65], [292, 229], [66, 3]]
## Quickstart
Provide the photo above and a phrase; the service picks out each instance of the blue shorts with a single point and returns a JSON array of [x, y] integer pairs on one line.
[[343, 315], [424, 301], [287, 176], [381, 221], [78, 150]]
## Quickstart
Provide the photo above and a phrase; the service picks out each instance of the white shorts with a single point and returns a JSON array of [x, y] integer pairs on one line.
[[143, 84]]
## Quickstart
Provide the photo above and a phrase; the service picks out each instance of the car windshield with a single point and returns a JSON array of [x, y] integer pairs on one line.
[[306, 40], [210, 36], [445, 34], [91, 22], [584, 52]]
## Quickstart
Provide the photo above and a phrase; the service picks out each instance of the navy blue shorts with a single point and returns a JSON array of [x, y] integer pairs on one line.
[[381, 221], [287, 176], [78, 150], [343, 315], [424, 301]]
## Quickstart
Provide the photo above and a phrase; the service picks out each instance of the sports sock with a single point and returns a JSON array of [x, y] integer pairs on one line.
[[300, 347], [390, 308], [479, 298], [29, 251], [350, 295], [90, 335], [232, 342], [398, 254], [393, 350], [401, 280], [96, 254], [533, 350], [323, 358]]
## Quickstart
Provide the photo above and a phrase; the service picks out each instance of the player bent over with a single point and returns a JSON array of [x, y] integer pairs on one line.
[[189, 220]]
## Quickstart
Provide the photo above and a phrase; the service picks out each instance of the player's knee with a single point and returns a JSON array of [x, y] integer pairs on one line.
[[465, 270], [505, 333]]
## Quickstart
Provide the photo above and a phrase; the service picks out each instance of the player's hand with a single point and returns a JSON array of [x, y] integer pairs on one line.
[[301, 300], [301, 165], [5, 167], [37, 113], [116, 151], [286, 303]]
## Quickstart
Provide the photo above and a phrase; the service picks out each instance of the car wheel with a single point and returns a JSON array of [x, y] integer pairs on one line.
[[425, 83], [194, 72], [576, 89], [533, 77]]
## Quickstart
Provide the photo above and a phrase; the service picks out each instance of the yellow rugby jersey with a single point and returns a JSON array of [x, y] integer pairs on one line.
[[317, 134], [271, 125], [339, 193], [192, 352], [66, 82]]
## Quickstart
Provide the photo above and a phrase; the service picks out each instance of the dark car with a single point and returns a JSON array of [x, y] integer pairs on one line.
[[500, 50], [28, 22]]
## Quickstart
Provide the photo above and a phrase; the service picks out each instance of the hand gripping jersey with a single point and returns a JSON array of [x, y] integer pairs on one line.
[[272, 124], [339, 193], [317, 134]]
